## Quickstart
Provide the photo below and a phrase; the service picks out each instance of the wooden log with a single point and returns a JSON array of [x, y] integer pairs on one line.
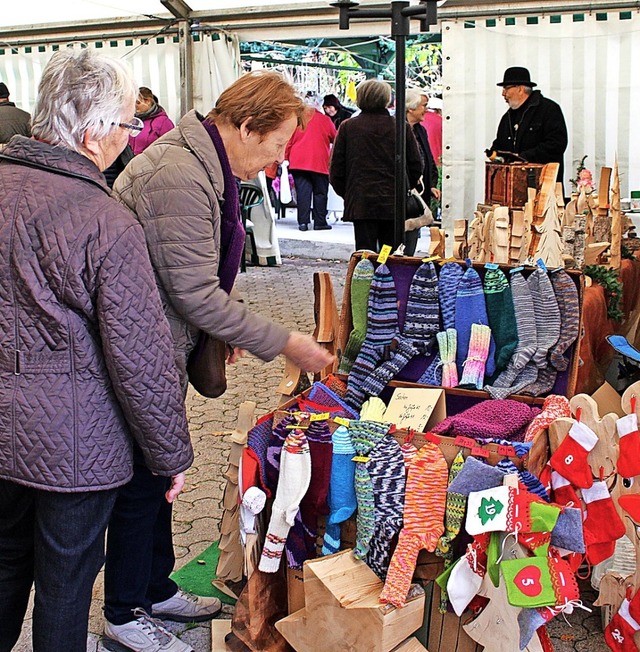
[[327, 320], [501, 235], [603, 192], [547, 189]]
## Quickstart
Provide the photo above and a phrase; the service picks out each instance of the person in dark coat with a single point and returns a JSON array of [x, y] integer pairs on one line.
[[335, 110], [12, 119], [416, 106], [533, 127], [362, 166]]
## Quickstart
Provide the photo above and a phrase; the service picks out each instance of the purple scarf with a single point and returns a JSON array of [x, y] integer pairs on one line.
[[232, 234]]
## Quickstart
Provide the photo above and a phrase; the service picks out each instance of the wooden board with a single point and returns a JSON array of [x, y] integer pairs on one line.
[[219, 629]]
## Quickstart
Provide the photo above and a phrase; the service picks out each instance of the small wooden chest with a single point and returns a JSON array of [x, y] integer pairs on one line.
[[506, 185]]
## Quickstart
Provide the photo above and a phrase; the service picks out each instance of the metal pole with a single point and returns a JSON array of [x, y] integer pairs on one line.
[[399, 31], [186, 67]]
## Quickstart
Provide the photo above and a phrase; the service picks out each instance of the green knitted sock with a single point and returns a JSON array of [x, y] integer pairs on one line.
[[502, 317], [360, 285]]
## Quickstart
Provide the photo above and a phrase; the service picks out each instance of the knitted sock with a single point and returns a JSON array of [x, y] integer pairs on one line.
[[475, 476], [471, 309], [342, 492], [314, 503], [547, 315], [409, 452], [323, 395], [276, 441], [619, 632], [474, 365], [570, 458], [257, 445], [386, 469], [360, 285], [365, 435], [512, 380], [554, 407], [448, 342], [525, 320], [423, 521], [421, 324], [373, 409], [602, 525], [569, 305], [295, 475], [563, 492], [502, 317], [454, 511], [628, 464], [543, 384], [382, 327]]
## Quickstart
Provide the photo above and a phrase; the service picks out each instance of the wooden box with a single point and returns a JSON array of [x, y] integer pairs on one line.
[[506, 185]]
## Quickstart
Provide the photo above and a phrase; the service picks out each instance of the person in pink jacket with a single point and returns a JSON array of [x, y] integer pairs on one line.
[[156, 121], [308, 155]]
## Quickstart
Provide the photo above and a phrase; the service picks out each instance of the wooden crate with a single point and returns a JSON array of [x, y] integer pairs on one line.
[[506, 185]]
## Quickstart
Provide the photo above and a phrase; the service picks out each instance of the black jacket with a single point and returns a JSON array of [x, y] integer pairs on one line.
[[13, 121], [541, 136], [362, 165], [430, 169]]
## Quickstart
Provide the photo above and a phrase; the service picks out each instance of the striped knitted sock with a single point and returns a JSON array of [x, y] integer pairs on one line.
[[568, 302], [501, 314], [257, 445], [382, 327], [448, 343], [360, 285], [364, 437], [423, 521], [388, 477], [474, 365], [450, 276], [525, 321], [342, 492], [547, 315], [295, 475], [274, 450], [421, 323], [454, 512]]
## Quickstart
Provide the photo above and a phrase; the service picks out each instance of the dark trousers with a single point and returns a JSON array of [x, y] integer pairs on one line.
[[311, 185], [373, 234], [57, 541], [140, 553], [411, 241]]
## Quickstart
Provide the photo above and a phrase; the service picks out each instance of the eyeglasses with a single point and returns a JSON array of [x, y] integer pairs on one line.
[[134, 127]]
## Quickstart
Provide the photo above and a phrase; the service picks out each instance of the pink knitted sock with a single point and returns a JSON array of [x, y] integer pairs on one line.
[[474, 365]]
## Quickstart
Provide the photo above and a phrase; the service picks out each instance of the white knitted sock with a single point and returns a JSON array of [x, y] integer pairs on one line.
[[293, 482]]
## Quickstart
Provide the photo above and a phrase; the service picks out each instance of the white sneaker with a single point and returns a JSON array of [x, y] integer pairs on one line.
[[145, 634], [186, 607]]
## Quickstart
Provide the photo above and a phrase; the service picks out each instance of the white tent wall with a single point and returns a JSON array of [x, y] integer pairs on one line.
[[583, 63], [156, 65]]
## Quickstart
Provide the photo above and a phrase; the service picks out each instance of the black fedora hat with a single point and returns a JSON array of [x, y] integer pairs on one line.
[[516, 76]]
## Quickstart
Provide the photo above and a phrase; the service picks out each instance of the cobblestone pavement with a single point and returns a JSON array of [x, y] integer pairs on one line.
[[285, 294]]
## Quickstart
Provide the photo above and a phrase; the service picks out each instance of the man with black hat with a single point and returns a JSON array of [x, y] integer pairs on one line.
[[12, 119], [533, 128]]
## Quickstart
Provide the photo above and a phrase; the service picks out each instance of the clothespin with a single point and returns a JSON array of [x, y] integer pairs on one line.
[[633, 403], [578, 414]]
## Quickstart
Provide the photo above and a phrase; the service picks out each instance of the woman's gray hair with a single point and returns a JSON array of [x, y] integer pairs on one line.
[[79, 92], [372, 95], [413, 97]]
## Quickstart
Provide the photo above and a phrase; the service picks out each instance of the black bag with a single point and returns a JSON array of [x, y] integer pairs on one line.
[[206, 366], [415, 205]]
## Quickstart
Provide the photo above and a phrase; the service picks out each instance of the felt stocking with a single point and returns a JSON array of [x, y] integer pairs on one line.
[[570, 458], [629, 458], [423, 521], [388, 478], [474, 365], [603, 526], [382, 327], [619, 632], [475, 476], [465, 578], [295, 475], [568, 533], [342, 492], [563, 491], [360, 285]]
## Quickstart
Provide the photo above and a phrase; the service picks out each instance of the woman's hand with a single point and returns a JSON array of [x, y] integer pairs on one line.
[[234, 354], [177, 483], [306, 353], [436, 194]]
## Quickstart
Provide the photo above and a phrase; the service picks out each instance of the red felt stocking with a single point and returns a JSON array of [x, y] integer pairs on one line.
[[602, 527], [629, 458], [570, 459], [619, 632], [563, 493]]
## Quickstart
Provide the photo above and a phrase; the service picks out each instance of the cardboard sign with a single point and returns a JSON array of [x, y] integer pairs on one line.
[[416, 407]]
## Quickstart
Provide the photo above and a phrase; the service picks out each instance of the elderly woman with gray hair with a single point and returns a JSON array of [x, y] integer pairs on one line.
[[362, 166], [86, 358]]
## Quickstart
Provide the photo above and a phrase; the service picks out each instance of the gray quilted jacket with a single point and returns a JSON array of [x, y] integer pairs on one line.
[[174, 187], [86, 358]]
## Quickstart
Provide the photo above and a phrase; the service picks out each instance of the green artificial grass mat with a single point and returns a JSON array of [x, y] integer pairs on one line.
[[196, 576]]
